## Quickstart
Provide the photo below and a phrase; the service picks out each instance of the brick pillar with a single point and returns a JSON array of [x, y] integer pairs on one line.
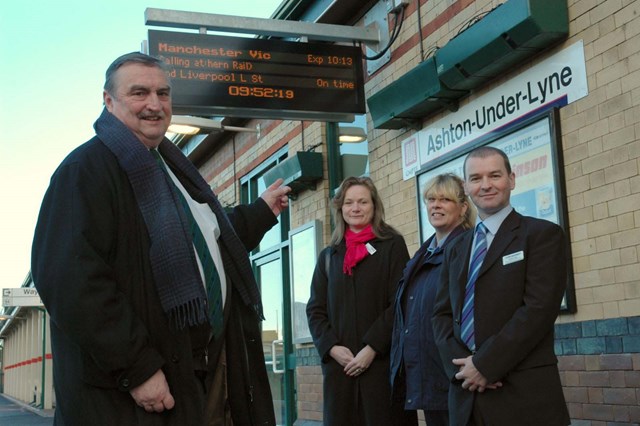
[[309, 380]]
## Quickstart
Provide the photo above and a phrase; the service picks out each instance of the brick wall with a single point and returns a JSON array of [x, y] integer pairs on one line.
[[601, 150], [599, 364], [309, 386], [602, 389], [309, 382]]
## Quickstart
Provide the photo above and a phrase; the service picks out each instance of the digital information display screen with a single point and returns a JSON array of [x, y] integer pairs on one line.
[[234, 72]]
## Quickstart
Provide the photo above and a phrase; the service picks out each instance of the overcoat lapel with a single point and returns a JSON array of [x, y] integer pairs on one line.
[[506, 234], [414, 264]]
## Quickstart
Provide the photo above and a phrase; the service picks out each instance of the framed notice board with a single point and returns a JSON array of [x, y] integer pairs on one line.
[[534, 151], [304, 246]]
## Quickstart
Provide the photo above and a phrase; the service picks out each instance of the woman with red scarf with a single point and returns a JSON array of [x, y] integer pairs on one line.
[[350, 310]]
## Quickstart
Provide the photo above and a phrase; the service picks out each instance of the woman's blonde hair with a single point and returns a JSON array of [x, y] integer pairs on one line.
[[451, 186], [380, 228]]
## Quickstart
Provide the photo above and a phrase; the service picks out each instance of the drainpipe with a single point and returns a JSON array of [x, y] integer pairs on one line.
[[334, 166]]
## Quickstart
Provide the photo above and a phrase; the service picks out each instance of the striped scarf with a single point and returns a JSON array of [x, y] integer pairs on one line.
[[175, 270]]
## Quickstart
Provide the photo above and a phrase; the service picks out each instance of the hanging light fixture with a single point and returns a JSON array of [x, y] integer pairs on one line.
[[351, 134], [190, 125]]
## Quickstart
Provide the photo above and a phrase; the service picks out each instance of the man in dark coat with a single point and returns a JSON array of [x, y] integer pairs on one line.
[[502, 364], [114, 262]]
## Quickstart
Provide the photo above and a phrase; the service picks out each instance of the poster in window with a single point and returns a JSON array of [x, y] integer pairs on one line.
[[534, 156]]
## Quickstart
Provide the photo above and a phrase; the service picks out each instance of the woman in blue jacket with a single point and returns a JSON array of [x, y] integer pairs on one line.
[[417, 374]]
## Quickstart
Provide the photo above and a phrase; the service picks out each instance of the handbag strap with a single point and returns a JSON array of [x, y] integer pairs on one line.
[[327, 259]]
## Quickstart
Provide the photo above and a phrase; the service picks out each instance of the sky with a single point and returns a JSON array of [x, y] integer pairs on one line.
[[53, 55]]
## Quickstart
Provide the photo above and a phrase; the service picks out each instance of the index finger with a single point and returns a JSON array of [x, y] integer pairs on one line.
[[276, 184]]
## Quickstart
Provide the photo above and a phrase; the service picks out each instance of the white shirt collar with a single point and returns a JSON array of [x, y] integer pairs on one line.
[[494, 221]]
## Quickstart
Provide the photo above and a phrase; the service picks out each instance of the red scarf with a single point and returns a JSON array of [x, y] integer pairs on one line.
[[356, 249]]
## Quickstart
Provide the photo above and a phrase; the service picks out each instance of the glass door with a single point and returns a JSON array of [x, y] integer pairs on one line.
[[271, 267], [276, 336]]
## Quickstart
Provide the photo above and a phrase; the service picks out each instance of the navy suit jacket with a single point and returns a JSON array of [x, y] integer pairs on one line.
[[517, 300]]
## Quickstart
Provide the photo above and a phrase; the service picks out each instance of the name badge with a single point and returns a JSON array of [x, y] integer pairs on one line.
[[370, 248], [512, 258]]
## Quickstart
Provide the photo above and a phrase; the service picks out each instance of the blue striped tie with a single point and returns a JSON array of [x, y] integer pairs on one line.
[[477, 256], [211, 277]]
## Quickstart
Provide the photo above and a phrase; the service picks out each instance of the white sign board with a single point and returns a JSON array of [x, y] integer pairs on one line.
[[23, 296], [555, 82]]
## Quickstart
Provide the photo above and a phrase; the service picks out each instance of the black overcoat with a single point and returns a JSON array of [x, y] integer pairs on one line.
[[90, 264], [355, 311]]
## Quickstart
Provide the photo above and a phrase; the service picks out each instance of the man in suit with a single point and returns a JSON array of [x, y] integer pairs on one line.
[[154, 308], [495, 330]]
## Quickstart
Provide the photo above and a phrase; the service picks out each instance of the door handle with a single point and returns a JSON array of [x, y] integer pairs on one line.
[[274, 363]]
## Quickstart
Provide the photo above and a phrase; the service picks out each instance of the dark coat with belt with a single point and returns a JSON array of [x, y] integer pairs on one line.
[[355, 311], [109, 333], [517, 300], [415, 359]]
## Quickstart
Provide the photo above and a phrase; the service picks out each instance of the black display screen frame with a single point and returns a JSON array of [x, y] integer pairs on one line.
[[213, 71]]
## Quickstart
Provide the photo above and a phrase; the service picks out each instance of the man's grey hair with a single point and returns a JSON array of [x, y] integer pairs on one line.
[[128, 58]]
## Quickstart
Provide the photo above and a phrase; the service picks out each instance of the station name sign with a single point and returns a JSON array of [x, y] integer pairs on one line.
[[211, 71], [23, 296]]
